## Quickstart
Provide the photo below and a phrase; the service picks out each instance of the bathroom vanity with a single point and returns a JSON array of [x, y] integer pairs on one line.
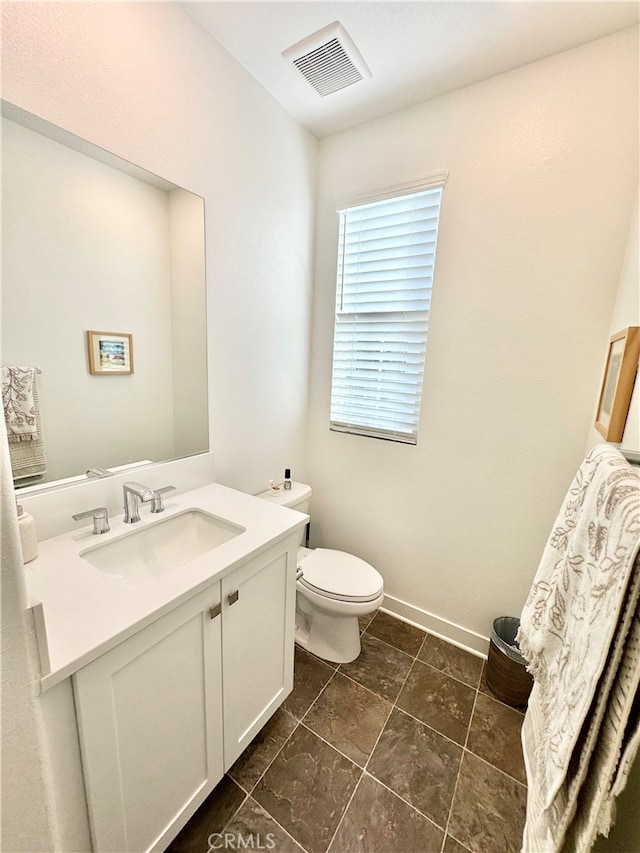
[[156, 671], [177, 633]]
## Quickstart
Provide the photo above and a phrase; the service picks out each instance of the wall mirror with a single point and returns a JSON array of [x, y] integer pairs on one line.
[[91, 242]]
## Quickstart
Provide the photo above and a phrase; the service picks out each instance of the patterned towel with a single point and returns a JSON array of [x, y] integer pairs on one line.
[[574, 630], [28, 459], [18, 404], [605, 751], [613, 749]]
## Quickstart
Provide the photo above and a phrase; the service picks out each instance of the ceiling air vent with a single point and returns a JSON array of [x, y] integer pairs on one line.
[[328, 60]]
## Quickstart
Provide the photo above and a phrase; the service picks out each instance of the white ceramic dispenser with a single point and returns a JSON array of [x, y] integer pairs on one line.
[[28, 538]]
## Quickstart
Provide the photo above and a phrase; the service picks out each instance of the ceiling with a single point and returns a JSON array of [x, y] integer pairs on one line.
[[415, 50]]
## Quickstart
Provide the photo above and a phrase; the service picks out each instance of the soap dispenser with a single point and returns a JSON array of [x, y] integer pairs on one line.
[[28, 540]]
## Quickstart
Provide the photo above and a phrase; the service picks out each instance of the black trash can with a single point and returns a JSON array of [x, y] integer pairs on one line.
[[506, 672]]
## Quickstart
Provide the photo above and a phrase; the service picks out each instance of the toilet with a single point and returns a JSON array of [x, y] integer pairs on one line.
[[333, 589]]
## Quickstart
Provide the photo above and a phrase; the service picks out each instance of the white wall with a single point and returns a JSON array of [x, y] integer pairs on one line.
[[145, 81], [85, 246], [188, 322], [626, 312], [542, 174], [543, 168], [25, 777]]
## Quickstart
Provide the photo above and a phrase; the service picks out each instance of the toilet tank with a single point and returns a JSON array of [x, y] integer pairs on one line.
[[297, 497]]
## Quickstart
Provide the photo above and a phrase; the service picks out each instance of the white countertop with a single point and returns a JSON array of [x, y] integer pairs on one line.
[[87, 612]]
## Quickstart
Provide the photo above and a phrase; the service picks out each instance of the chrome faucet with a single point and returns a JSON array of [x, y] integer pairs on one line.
[[133, 494], [158, 502], [98, 472], [100, 517]]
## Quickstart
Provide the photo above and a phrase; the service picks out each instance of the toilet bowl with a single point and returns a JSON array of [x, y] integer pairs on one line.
[[333, 589]]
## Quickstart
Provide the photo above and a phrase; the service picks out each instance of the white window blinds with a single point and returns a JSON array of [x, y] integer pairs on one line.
[[386, 260]]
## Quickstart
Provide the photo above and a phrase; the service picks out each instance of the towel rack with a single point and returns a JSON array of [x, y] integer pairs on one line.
[[632, 456]]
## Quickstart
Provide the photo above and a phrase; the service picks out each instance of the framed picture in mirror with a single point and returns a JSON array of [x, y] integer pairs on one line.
[[617, 383], [110, 353]]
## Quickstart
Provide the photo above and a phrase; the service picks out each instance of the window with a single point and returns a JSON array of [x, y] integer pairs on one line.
[[386, 258]]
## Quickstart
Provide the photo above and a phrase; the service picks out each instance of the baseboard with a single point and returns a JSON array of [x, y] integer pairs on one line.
[[449, 631]]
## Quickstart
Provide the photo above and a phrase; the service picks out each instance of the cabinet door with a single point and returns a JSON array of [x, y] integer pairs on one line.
[[150, 722], [258, 619]]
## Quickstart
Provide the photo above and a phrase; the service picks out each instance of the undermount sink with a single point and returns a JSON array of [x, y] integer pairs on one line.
[[159, 548]]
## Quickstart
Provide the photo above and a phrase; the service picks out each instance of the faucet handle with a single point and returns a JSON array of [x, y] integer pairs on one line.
[[157, 504], [100, 517], [98, 472]]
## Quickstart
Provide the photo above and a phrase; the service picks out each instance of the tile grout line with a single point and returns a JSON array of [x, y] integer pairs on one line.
[[431, 728], [249, 794], [235, 812], [477, 689], [282, 746], [322, 689], [448, 674], [417, 657], [346, 809], [258, 780], [249, 797], [365, 772], [494, 767], [393, 705], [391, 791], [396, 648], [473, 710], [368, 689], [298, 722], [457, 840], [412, 806], [339, 751], [363, 768], [464, 749]]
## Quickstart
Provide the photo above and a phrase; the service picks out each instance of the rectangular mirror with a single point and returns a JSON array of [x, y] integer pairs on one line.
[[91, 242]]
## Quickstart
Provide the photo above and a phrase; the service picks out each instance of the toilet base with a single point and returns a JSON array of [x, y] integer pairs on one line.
[[333, 638]]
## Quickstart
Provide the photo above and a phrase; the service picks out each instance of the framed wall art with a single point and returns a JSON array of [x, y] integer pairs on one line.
[[617, 383], [110, 353]]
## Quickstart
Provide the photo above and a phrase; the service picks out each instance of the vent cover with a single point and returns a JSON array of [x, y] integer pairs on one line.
[[328, 60]]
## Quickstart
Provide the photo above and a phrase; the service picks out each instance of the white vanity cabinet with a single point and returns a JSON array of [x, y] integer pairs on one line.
[[150, 723], [258, 621], [162, 715]]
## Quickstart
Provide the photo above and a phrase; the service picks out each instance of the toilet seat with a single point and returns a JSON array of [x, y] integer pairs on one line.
[[341, 576]]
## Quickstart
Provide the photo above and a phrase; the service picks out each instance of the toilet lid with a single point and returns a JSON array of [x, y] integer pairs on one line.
[[336, 574]]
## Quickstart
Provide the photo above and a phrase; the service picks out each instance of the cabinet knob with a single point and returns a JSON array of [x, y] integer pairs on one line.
[[233, 597], [214, 611]]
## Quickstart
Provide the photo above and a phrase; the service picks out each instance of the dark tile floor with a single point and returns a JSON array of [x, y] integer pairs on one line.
[[405, 750]]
